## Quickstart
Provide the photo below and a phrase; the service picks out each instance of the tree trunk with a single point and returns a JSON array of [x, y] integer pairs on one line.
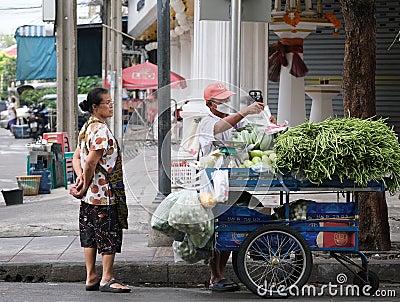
[[359, 101]]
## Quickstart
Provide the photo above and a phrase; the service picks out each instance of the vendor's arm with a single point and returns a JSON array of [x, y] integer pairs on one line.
[[232, 119]]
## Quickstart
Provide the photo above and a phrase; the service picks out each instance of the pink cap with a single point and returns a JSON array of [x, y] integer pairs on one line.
[[217, 91]]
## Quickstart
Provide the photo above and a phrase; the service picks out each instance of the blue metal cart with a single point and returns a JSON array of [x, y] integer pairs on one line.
[[273, 256]]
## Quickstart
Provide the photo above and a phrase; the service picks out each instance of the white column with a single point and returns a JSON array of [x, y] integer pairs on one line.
[[211, 58], [291, 100], [175, 55], [253, 60], [308, 5], [277, 6], [185, 56]]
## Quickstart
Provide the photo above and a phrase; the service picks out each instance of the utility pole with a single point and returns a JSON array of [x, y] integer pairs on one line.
[[112, 60], [236, 6], [164, 99], [116, 40], [67, 69]]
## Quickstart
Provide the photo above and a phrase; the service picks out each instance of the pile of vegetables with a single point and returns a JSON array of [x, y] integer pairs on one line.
[[267, 158], [297, 210], [159, 219], [253, 135], [188, 215], [348, 148], [188, 252]]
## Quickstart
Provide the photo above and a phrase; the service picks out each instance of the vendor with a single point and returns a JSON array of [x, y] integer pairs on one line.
[[218, 126]]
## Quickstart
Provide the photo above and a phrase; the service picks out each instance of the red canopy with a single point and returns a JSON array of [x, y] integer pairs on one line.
[[145, 76]]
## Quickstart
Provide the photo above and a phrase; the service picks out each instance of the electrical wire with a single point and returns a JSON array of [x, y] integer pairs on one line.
[[19, 8]]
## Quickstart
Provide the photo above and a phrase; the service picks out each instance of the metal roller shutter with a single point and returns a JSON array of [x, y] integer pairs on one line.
[[323, 55]]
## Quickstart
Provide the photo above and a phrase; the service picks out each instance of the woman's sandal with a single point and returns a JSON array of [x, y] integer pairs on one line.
[[224, 285], [107, 287]]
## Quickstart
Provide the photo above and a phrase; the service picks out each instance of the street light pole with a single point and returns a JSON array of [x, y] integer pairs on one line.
[[236, 10], [164, 99]]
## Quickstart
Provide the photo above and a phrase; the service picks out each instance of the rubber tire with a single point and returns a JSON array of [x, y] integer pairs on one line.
[[285, 231], [373, 281]]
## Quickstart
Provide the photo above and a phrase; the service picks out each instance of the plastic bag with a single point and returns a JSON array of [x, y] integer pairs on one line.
[[206, 191], [159, 219], [200, 240], [186, 251], [188, 215], [221, 185]]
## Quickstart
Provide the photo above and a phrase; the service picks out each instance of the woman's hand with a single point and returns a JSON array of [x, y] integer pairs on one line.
[[77, 189], [79, 182]]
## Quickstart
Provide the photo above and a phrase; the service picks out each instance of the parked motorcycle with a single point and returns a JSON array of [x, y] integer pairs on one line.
[[38, 122]]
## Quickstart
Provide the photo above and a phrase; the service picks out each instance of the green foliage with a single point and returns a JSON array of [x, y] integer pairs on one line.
[[31, 96], [6, 40], [8, 69], [85, 84]]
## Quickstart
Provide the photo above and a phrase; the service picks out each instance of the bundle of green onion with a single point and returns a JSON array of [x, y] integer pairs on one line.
[[349, 148]]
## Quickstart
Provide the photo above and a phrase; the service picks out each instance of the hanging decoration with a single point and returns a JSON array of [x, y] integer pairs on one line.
[[180, 16], [291, 18], [335, 21], [278, 58]]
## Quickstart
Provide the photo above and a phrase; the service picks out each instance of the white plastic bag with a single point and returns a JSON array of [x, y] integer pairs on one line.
[[188, 215], [206, 191], [186, 251], [221, 185], [159, 219]]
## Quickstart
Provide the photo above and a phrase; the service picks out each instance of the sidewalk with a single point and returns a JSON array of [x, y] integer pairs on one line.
[[39, 240]]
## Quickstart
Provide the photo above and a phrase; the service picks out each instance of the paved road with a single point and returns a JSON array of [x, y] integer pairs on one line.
[[71, 292]]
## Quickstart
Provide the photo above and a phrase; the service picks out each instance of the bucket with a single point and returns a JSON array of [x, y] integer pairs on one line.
[[45, 180], [13, 197]]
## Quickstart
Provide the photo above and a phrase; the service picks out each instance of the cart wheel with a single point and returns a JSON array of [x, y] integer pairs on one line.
[[361, 280], [274, 260]]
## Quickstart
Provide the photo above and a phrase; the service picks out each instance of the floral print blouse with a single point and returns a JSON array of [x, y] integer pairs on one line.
[[95, 135]]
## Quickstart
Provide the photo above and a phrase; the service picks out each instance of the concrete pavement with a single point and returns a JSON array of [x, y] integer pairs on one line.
[[39, 239]]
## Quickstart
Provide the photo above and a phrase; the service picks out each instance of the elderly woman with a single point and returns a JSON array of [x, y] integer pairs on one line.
[[99, 185]]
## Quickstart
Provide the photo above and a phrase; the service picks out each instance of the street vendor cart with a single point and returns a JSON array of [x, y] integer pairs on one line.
[[272, 254]]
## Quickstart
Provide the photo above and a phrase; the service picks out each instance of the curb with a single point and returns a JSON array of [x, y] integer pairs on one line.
[[167, 273]]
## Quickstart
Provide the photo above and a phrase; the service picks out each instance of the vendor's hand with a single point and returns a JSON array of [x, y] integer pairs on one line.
[[273, 120], [254, 108]]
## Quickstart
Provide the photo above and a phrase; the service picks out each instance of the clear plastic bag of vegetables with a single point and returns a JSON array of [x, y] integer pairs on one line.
[[188, 215], [159, 219], [200, 240], [186, 251]]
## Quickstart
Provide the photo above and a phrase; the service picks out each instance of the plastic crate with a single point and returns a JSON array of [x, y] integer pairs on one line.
[[182, 172], [20, 131], [29, 184]]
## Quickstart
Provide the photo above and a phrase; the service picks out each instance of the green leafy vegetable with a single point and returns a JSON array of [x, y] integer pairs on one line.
[[349, 148]]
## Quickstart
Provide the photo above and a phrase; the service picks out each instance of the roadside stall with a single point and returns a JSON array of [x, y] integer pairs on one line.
[[272, 251]]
